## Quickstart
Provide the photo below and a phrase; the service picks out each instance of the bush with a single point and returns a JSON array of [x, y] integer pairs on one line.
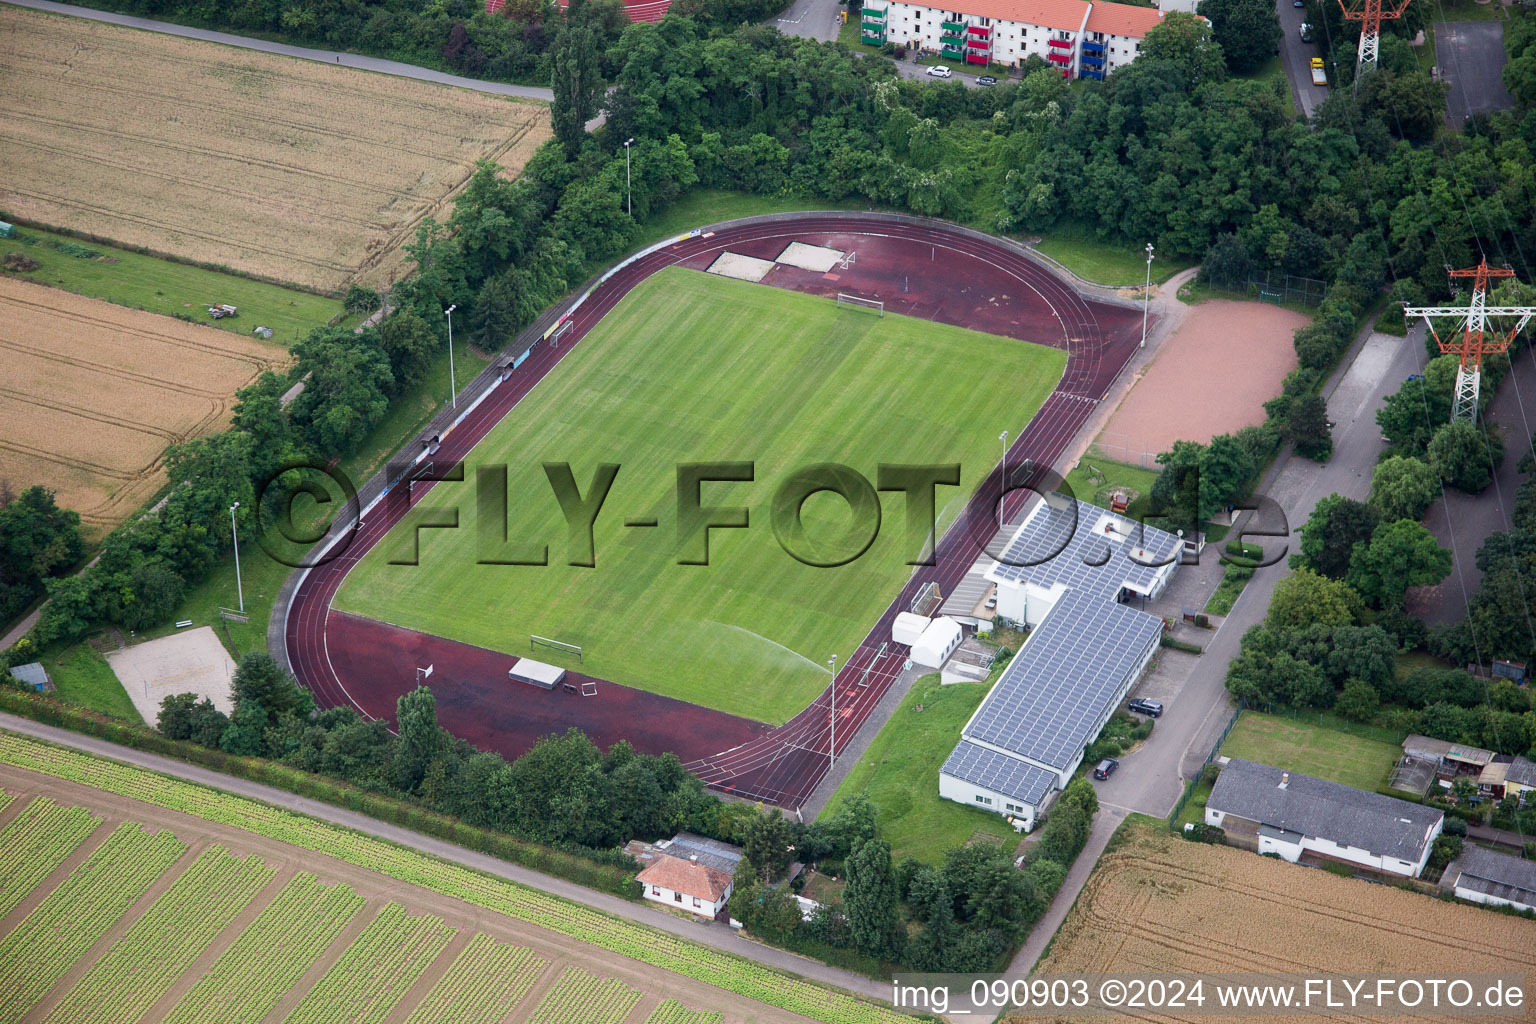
[[360, 300]]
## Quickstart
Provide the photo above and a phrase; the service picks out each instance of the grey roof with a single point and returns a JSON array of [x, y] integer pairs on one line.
[[1521, 771], [1383, 825], [1065, 679], [712, 853], [967, 595], [32, 673], [1065, 545], [1498, 874], [1279, 833], [1010, 776], [1426, 746]]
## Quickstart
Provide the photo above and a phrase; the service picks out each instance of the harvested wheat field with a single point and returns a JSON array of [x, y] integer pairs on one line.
[[273, 166], [93, 393], [1157, 904]]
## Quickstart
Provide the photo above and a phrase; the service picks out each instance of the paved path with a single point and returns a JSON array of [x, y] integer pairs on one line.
[[1296, 56], [346, 60], [718, 936]]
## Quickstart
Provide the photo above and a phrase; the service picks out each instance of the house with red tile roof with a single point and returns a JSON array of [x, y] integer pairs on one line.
[[687, 872]]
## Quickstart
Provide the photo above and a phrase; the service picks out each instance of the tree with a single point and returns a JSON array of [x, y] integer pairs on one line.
[[1307, 427], [1248, 31], [410, 344], [870, 900], [1226, 262], [575, 79], [1358, 701], [1226, 470], [420, 737], [1304, 598], [1329, 535], [38, 540], [1465, 456], [1185, 41], [243, 736], [767, 844], [1411, 105], [1403, 487], [1399, 555], [260, 680]]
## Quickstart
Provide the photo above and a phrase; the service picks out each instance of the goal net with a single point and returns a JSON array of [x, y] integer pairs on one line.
[[854, 302]]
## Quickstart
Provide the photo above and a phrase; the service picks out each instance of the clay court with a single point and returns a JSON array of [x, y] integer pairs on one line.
[[919, 269], [1212, 376], [193, 661]]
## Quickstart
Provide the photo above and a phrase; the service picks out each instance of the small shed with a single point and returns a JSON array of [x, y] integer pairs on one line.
[[538, 673], [32, 674], [938, 642], [7, 230], [908, 628]]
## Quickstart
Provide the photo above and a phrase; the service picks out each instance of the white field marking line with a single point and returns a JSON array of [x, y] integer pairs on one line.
[[739, 629]]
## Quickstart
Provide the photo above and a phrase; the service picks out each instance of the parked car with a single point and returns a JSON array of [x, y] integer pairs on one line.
[[1414, 376], [939, 71], [1150, 708], [986, 80], [1298, 3], [1106, 768]]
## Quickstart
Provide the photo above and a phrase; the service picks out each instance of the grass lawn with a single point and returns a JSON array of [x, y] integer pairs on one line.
[[1111, 263], [708, 206], [900, 773], [1095, 480], [84, 678], [692, 367], [1313, 747], [1233, 579], [146, 282]]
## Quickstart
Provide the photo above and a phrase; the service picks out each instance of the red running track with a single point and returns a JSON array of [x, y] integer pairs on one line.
[[918, 269]]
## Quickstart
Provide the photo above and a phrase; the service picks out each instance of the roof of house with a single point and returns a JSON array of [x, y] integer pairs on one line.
[[964, 600], [1426, 746], [1498, 874], [1092, 550], [1123, 19], [32, 673], [711, 852], [687, 877], [1000, 773], [1382, 825], [1494, 773], [1521, 772], [1062, 14]]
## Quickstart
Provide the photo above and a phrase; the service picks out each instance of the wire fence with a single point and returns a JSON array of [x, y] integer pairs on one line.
[[1123, 448], [1281, 289]]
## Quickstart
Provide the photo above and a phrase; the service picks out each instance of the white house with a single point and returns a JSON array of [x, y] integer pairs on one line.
[[937, 643], [1084, 38], [907, 628], [1292, 813], [689, 872], [1496, 879], [1069, 572]]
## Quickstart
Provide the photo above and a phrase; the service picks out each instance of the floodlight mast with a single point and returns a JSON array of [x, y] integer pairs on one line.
[[1472, 339]]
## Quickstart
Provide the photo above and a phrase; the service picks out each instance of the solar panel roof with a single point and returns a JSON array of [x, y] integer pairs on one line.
[[1064, 679], [1060, 546], [984, 767]]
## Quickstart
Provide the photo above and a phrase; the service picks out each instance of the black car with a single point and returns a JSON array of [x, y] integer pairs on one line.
[[1150, 708], [986, 80], [1105, 768]]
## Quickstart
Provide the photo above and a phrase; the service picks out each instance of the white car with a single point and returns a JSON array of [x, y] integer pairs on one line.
[[939, 71]]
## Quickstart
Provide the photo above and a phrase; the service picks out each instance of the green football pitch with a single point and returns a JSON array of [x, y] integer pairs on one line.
[[692, 367]]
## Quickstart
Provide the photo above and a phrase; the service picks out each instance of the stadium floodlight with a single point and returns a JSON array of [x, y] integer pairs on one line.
[[627, 191], [453, 384], [1146, 294], [235, 534], [423, 674], [832, 746], [1002, 467]]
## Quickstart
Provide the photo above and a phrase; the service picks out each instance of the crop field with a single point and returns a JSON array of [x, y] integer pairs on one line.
[[692, 367], [94, 393], [198, 905], [1158, 905], [282, 168]]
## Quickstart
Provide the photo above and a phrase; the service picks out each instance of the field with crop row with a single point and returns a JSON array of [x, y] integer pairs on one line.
[[36, 841], [485, 982], [53, 937], [582, 998], [271, 955], [144, 964], [267, 952], [1157, 905], [93, 394], [673, 1012], [376, 970], [273, 166]]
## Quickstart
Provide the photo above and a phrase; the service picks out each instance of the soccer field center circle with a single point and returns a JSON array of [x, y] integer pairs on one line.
[[919, 268]]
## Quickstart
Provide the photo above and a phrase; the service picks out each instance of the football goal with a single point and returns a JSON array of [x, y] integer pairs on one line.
[[854, 302]]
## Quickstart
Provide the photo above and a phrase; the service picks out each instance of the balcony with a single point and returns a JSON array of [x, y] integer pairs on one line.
[[1089, 46], [1056, 57], [978, 45], [1059, 44], [874, 37], [978, 57], [952, 26], [979, 31], [1093, 61], [952, 53]]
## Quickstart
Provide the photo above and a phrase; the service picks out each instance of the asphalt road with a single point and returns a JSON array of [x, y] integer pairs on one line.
[[1297, 56], [346, 60], [1472, 58]]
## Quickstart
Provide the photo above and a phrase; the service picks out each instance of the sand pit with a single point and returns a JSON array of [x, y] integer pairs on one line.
[[810, 257], [1212, 376], [189, 662], [742, 268]]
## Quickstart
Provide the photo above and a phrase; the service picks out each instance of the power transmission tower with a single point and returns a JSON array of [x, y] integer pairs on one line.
[[1473, 339], [1370, 15]]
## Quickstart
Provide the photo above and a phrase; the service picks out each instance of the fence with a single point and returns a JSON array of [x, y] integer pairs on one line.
[[1120, 447], [1189, 788], [1277, 288]]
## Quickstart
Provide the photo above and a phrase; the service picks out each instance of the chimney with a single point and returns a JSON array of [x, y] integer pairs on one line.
[[1285, 779], [693, 858]]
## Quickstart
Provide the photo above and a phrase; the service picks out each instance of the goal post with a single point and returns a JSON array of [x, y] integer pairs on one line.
[[855, 302]]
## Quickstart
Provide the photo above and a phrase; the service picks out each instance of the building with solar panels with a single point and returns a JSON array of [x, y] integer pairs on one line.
[[1074, 573]]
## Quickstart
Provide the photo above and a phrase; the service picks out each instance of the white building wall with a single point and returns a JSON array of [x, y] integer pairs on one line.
[[668, 898], [971, 795], [1287, 851], [1329, 848], [1492, 901]]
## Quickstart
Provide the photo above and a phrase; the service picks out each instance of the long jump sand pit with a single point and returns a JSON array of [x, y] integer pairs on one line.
[[92, 394], [810, 257], [1158, 905], [1212, 376], [742, 268], [189, 662], [279, 167]]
